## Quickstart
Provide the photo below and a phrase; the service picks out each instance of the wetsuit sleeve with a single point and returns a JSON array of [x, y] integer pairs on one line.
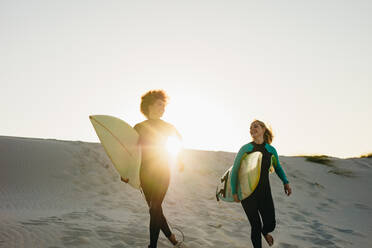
[[278, 168], [235, 170]]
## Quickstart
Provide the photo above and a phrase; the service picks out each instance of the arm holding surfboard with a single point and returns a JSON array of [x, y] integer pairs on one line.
[[160, 145], [235, 170]]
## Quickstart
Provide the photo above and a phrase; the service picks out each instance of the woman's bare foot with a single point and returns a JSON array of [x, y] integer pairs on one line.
[[173, 239], [269, 239]]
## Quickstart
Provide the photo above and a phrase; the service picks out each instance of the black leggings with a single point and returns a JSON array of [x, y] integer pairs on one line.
[[154, 192], [260, 203]]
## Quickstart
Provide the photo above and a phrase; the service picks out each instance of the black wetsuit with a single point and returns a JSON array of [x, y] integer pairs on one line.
[[261, 202], [155, 172]]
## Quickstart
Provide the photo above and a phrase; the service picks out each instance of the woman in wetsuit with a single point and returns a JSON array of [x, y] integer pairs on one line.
[[155, 170], [260, 202]]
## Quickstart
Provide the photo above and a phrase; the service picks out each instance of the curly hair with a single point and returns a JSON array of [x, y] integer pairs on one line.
[[150, 98], [268, 135]]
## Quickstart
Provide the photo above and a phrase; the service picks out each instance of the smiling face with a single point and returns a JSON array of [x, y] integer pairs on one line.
[[257, 130], [156, 110]]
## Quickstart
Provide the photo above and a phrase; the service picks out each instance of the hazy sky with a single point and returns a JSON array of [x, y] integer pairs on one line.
[[302, 66]]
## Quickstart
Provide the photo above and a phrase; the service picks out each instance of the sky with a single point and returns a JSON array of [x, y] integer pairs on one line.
[[303, 67]]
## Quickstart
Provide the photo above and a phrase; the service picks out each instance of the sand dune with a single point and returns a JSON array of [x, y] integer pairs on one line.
[[67, 194]]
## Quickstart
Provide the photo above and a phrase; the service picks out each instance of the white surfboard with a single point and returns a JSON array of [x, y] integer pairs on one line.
[[120, 142], [248, 178]]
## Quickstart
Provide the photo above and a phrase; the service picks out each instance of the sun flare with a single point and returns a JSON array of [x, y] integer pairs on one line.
[[174, 146]]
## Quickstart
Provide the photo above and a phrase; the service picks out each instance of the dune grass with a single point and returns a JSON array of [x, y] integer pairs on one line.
[[344, 173], [326, 160], [320, 159], [368, 155]]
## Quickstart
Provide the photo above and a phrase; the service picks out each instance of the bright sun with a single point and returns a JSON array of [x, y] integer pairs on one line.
[[174, 146]]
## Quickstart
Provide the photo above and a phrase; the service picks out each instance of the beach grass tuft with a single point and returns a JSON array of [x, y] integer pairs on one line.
[[341, 172], [368, 155], [320, 159]]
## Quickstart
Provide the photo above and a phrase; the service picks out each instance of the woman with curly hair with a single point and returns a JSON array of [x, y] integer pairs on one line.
[[155, 168]]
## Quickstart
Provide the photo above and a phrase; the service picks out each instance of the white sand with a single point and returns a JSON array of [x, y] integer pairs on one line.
[[67, 194]]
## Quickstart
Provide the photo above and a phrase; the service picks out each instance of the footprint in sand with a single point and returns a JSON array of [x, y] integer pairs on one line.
[[332, 201], [43, 221], [324, 207], [108, 233], [306, 213], [348, 231], [76, 237], [362, 206], [298, 217], [119, 246], [120, 237], [286, 245], [215, 225], [314, 238]]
